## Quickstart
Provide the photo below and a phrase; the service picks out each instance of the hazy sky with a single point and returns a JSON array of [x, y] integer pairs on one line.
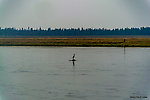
[[74, 13]]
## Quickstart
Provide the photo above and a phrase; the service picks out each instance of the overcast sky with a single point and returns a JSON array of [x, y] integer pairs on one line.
[[74, 13]]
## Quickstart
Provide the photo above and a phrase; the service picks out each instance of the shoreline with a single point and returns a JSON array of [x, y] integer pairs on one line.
[[76, 42]]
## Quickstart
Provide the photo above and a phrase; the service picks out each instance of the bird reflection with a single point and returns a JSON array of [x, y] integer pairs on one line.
[[73, 62]]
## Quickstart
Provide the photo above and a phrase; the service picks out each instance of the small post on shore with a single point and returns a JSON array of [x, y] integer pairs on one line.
[[124, 42]]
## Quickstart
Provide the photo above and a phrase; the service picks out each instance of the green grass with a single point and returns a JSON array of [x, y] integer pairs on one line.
[[76, 42]]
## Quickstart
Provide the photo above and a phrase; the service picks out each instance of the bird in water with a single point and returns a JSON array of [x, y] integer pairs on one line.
[[73, 58]]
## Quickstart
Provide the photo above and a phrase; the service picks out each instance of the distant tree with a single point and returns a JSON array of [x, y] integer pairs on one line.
[[49, 29], [40, 29], [74, 32], [28, 28]]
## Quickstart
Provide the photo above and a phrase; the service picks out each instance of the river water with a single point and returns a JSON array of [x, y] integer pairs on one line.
[[45, 73]]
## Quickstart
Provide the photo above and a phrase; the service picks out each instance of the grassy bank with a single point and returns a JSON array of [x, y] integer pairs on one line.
[[77, 42]]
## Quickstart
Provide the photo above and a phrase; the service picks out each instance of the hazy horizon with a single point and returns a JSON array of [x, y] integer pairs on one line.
[[74, 13]]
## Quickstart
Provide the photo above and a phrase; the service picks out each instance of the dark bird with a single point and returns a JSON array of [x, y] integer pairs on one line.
[[73, 58]]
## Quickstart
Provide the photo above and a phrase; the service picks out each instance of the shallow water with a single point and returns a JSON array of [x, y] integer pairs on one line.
[[44, 73]]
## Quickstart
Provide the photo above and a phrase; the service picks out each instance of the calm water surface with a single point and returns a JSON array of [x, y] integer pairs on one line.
[[44, 73]]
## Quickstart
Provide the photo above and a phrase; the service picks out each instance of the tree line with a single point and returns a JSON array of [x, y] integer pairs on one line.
[[73, 31]]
